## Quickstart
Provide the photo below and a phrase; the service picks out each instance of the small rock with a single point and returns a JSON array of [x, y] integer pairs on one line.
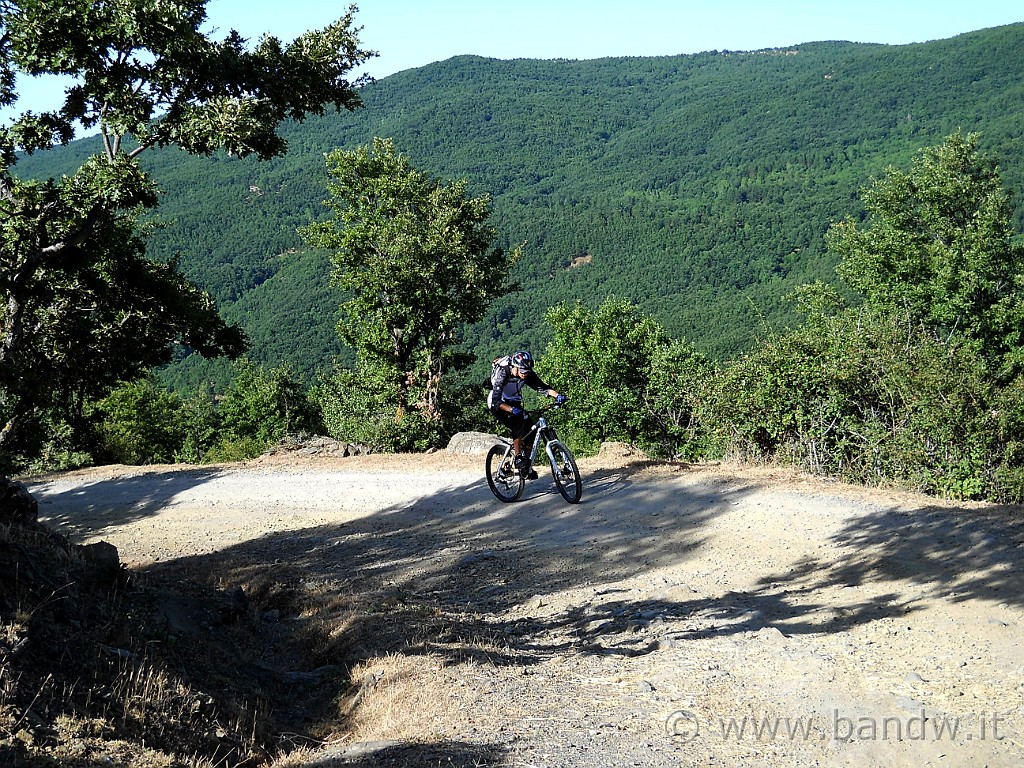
[[769, 633], [911, 705], [475, 557], [103, 557], [352, 752]]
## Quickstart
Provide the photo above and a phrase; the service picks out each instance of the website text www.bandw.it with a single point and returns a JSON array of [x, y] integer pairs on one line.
[[684, 726]]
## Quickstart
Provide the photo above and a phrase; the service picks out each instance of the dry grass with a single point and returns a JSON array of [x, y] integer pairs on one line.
[[90, 674], [398, 697]]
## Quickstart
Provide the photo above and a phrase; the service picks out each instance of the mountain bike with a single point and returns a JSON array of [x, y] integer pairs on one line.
[[507, 479]]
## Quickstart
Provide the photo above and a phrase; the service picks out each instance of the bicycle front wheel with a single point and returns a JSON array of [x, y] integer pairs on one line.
[[567, 474], [504, 480]]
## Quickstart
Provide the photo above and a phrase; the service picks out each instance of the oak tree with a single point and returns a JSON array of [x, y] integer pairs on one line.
[[416, 260], [81, 307]]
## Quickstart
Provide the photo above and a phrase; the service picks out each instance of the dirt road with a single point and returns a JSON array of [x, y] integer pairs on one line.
[[677, 616]]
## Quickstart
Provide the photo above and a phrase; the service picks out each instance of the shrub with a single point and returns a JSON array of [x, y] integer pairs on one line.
[[258, 409], [602, 361], [200, 425], [864, 397], [139, 423], [360, 407], [680, 381]]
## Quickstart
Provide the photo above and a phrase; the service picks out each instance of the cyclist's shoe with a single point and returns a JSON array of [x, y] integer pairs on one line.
[[524, 468]]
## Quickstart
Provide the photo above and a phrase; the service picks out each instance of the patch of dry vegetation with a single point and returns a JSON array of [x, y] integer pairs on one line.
[[102, 665]]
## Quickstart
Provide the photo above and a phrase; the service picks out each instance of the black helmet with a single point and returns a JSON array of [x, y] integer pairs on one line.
[[523, 361]]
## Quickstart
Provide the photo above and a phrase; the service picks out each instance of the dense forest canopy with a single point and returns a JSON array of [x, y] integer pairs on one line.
[[699, 187]]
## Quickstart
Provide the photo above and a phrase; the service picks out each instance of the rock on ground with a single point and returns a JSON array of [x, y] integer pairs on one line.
[[472, 442]]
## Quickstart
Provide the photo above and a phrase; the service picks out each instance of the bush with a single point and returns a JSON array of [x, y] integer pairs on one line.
[[257, 410], [863, 397], [680, 381], [200, 424], [139, 423], [602, 362], [354, 407]]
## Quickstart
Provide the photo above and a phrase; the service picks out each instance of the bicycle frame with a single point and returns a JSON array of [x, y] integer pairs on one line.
[[541, 429]]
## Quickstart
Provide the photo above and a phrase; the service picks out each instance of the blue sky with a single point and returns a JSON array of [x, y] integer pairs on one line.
[[412, 33]]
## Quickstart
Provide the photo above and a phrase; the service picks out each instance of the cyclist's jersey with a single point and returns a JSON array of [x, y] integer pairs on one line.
[[506, 388]]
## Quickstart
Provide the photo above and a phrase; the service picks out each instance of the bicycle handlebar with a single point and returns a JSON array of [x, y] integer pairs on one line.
[[549, 407]]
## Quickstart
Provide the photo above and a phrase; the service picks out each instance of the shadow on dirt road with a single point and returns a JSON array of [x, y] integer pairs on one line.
[[451, 574]]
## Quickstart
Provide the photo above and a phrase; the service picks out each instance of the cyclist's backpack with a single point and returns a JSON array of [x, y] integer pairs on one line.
[[496, 363]]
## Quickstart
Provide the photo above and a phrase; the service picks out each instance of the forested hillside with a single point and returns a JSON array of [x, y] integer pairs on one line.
[[699, 187]]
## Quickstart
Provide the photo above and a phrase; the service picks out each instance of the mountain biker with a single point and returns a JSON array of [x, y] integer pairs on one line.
[[508, 377]]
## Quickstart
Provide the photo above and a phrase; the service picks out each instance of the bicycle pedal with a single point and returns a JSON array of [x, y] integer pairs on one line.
[[532, 474]]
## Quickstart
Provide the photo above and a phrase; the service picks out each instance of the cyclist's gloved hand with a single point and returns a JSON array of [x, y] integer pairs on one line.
[[560, 400], [517, 411]]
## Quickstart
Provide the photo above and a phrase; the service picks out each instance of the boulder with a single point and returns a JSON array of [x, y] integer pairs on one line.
[[17, 505], [472, 442]]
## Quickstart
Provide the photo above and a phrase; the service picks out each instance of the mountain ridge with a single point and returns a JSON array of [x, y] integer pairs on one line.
[[699, 186]]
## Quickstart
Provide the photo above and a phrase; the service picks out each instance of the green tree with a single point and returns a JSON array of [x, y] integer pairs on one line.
[[82, 307], [416, 259], [679, 385], [602, 360], [200, 425], [258, 409], [140, 423], [919, 385], [938, 246]]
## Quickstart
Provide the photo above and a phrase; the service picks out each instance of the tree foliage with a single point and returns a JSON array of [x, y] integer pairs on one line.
[[415, 260], [144, 69], [258, 409], [139, 423], [918, 386], [938, 247], [700, 187], [602, 361], [626, 379], [83, 308]]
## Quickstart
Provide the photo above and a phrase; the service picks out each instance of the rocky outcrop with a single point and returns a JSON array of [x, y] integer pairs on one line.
[[317, 445]]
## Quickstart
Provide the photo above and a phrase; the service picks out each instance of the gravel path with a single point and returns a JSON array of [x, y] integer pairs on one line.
[[677, 616]]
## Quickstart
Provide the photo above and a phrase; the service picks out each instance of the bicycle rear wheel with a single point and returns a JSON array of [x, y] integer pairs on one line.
[[504, 480], [567, 474]]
